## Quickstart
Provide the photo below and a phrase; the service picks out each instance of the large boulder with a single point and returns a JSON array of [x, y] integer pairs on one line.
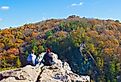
[[25, 74]]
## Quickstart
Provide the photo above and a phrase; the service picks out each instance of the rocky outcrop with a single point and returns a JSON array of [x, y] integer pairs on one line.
[[25, 74], [59, 72]]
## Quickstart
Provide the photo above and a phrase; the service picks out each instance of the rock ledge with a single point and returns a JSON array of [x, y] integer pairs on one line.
[[58, 72]]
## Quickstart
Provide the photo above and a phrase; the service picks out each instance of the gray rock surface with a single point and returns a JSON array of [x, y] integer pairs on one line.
[[59, 72], [25, 74]]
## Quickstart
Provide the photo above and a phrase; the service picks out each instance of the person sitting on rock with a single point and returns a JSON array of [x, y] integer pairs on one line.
[[48, 59], [31, 59]]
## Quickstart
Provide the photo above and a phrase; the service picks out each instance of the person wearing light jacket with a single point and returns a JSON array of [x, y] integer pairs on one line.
[[31, 59]]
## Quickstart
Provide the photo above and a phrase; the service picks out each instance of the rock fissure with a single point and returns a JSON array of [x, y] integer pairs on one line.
[[39, 76]]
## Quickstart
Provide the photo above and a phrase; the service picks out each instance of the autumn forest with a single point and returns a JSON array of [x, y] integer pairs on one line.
[[102, 39]]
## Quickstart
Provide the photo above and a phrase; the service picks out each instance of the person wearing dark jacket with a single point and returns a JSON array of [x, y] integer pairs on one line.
[[48, 60]]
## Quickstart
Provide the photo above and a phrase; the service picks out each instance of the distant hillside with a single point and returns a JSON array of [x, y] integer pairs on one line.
[[102, 39]]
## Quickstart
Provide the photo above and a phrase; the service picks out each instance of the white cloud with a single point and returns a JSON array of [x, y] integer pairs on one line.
[[4, 7], [77, 4], [80, 3], [73, 4]]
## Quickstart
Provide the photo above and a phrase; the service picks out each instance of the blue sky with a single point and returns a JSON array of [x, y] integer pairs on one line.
[[15, 13]]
